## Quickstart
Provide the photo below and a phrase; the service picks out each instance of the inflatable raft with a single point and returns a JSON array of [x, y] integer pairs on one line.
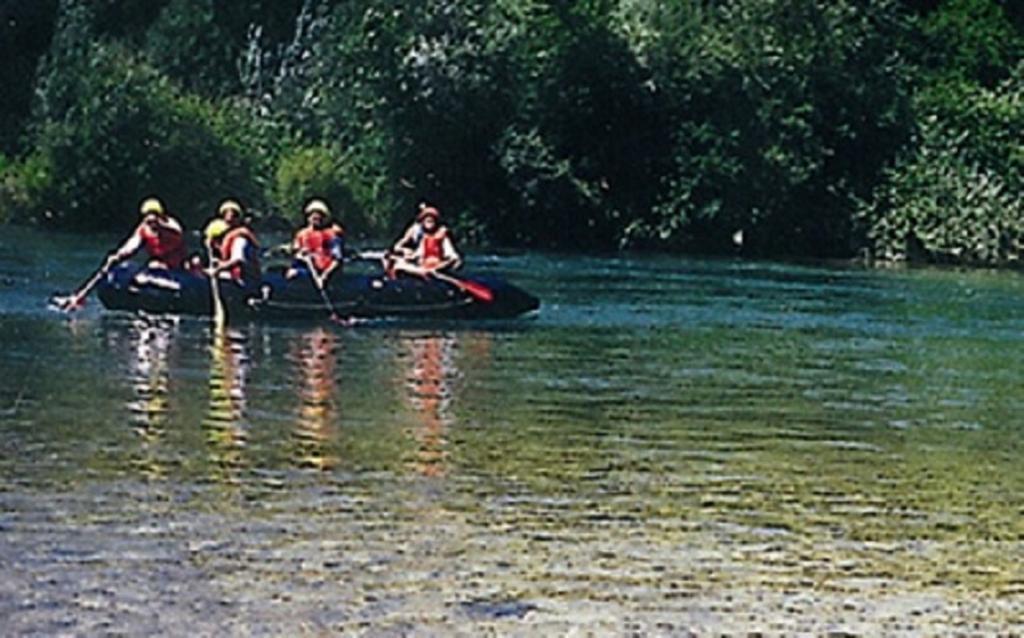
[[352, 295]]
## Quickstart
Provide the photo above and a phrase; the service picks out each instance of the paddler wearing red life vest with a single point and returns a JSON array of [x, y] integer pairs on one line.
[[159, 233], [213, 235], [434, 249], [239, 250], [320, 242]]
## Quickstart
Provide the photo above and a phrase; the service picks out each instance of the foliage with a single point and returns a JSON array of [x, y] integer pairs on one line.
[[112, 130], [784, 111], [971, 40], [25, 30], [956, 197], [186, 43], [24, 184], [817, 128], [588, 137], [954, 194], [419, 94], [322, 172]]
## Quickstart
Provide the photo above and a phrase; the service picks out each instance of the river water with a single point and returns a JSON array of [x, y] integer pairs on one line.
[[672, 447]]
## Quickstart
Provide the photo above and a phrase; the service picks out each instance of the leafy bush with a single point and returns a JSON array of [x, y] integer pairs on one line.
[[583, 153], [783, 112], [23, 184], [971, 40], [551, 196], [186, 43], [111, 130], [956, 196], [318, 171]]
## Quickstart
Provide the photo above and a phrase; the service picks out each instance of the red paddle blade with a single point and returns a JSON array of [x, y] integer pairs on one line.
[[480, 291]]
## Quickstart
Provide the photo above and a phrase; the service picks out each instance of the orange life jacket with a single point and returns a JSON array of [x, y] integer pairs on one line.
[[319, 243], [249, 271], [164, 244]]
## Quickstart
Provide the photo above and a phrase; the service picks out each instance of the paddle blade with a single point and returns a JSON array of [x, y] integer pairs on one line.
[[480, 291], [67, 303], [344, 322]]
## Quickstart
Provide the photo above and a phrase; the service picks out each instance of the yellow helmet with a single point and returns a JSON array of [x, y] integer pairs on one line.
[[152, 205], [317, 205], [215, 229], [229, 204]]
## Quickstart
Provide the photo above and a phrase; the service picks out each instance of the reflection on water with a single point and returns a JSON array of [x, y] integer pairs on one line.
[[224, 423], [148, 347], [674, 447], [428, 379], [427, 374], [314, 354]]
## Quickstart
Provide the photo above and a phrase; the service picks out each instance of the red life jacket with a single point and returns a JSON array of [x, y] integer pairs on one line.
[[248, 272], [433, 247], [164, 244], [319, 243]]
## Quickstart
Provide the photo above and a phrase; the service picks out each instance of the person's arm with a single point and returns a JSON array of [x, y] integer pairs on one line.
[[128, 248], [401, 246], [452, 259], [336, 249], [171, 223], [297, 248], [236, 258], [326, 274]]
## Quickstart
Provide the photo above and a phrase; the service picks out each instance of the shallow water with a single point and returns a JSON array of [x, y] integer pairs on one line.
[[673, 446]]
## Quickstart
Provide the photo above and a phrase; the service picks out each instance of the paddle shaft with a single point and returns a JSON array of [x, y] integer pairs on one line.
[[475, 290], [320, 287], [220, 315], [91, 283], [74, 300]]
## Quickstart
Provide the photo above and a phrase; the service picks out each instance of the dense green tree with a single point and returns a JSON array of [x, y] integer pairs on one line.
[[815, 128], [955, 196], [968, 40], [25, 32], [108, 130], [588, 141], [784, 112]]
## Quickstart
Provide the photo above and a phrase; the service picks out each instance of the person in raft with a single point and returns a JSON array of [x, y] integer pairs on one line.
[[320, 244], [159, 234], [410, 239], [218, 227], [213, 235], [433, 250], [238, 255]]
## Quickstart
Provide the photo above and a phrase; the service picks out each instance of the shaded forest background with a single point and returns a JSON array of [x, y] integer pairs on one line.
[[892, 129]]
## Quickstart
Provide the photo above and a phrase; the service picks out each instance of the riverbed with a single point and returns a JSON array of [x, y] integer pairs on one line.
[[673, 446]]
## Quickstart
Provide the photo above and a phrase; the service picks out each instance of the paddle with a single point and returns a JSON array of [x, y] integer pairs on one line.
[[320, 288], [69, 303], [472, 288], [371, 255], [220, 315]]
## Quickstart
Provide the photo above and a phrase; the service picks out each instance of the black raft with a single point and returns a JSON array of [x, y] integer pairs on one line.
[[352, 295]]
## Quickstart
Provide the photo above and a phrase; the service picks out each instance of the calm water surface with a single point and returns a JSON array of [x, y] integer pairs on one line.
[[673, 446]]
